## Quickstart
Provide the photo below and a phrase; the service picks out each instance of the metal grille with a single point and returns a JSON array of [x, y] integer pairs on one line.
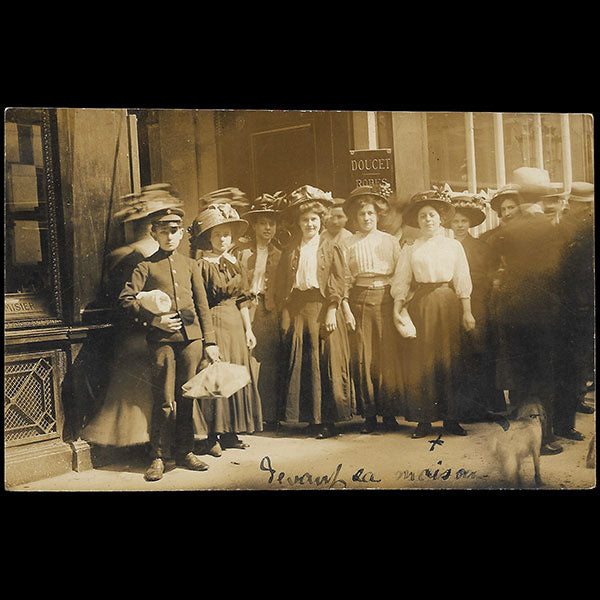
[[29, 409]]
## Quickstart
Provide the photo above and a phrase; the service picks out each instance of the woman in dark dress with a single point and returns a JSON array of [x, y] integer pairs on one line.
[[259, 257], [478, 391], [310, 287], [212, 235], [371, 256], [442, 290]]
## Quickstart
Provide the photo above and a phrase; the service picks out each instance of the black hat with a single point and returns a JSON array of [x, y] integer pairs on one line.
[[308, 193], [230, 195], [439, 198], [381, 193], [510, 190], [266, 204]]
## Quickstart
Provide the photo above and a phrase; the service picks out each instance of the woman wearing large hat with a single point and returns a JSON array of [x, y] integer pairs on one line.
[[317, 386], [478, 358], [371, 256], [212, 235], [123, 419], [440, 305], [259, 256]]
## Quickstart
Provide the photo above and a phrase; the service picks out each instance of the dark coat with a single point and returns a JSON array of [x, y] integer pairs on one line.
[[181, 279], [330, 272], [246, 254]]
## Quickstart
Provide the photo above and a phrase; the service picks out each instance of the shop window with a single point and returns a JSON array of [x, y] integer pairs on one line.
[[447, 149], [519, 141], [31, 256], [552, 144], [485, 152]]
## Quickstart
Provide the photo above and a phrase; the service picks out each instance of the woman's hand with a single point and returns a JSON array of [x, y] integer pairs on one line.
[[468, 321], [285, 321], [398, 305], [212, 353], [348, 316], [330, 319], [250, 339]]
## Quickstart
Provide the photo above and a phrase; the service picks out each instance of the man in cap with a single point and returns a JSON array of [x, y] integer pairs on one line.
[[176, 340]]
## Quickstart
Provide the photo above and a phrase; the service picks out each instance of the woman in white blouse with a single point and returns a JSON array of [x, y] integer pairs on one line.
[[317, 386], [433, 282], [371, 256]]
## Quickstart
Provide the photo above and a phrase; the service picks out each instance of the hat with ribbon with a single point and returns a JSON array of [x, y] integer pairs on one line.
[[266, 204], [308, 193], [438, 197], [535, 182], [230, 195], [581, 191], [158, 201], [218, 214], [510, 190], [471, 205], [380, 192]]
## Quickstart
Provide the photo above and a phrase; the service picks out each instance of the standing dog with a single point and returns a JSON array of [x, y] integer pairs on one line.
[[520, 438]]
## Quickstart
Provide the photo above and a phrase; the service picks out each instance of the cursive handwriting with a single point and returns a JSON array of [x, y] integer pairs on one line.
[[430, 474], [323, 481]]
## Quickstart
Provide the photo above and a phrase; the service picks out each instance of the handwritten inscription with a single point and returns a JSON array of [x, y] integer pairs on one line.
[[445, 474]]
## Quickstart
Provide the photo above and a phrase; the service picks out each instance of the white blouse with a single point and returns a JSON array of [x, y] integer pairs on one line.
[[306, 275], [432, 260], [258, 279], [375, 253]]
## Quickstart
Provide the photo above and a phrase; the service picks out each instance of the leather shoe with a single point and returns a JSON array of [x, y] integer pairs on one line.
[[390, 424], [571, 434], [155, 470], [454, 428], [192, 462], [550, 449], [370, 425], [232, 441], [584, 408], [421, 431], [215, 450], [326, 432]]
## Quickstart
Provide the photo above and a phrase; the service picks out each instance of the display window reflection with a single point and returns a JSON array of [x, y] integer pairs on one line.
[[28, 252]]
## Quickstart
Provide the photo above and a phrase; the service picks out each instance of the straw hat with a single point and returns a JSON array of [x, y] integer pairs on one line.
[[534, 182], [581, 191], [308, 193], [471, 205], [217, 214], [266, 204], [381, 193], [510, 190], [157, 200], [230, 195], [439, 198]]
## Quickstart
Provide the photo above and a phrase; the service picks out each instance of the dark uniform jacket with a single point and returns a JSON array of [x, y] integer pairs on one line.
[[330, 272], [246, 254], [181, 279]]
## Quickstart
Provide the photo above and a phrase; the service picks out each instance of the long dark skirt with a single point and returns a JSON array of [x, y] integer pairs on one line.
[[375, 349], [431, 366], [240, 413], [266, 357], [477, 389], [318, 385]]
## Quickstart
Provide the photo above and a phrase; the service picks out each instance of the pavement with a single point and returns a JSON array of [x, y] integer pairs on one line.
[[289, 459]]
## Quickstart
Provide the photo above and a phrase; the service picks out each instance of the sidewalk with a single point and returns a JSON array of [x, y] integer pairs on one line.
[[289, 459]]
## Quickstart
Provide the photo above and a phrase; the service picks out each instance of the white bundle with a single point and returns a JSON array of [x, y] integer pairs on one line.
[[404, 325], [155, 301]]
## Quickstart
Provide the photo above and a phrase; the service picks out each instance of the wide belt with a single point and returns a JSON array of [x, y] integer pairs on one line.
[[372, 282]]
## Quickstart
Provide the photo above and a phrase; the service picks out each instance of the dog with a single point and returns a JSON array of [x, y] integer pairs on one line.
[[520, 438]]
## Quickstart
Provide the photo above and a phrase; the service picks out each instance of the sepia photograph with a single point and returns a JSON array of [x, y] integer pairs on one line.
[[298, 300]]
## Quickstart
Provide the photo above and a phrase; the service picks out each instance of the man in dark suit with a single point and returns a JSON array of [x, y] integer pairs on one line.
[[176, 340]]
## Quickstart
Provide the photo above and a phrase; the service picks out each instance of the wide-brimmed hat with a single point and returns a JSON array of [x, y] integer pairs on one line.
[[158, 201], [229, 195], [510, 190], [307, 193], [439, 198], [471, 205], [535, 182], [581, 191], [266, 204], [217, 214], [380, 191]]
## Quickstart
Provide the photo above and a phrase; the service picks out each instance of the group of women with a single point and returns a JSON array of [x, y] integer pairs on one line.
[[313, 296]]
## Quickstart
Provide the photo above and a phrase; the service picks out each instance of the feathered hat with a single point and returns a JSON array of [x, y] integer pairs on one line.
[[438, 197], [154, 200]]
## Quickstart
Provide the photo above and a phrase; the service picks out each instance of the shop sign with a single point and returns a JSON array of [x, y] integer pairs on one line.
[[368, 167], [24, 306]]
